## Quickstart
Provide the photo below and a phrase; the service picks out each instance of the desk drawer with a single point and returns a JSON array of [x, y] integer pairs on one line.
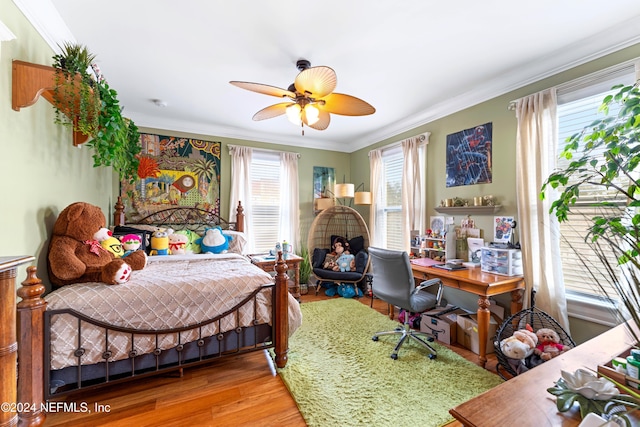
[[446, 281]]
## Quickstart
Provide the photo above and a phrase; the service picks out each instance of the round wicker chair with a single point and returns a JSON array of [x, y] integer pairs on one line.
[[536, 319], [339, 221]]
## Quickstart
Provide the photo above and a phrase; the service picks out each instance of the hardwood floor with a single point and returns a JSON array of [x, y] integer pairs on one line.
[[236, 391]]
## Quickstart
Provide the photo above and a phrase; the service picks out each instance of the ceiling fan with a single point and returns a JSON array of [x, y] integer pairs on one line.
[[311, 98]]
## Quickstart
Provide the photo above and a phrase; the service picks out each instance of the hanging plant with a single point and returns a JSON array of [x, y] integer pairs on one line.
[[117, 140], [86, 102], [77, 102]]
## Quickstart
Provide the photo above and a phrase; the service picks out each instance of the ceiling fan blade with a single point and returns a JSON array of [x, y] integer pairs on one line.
[[346, 105], [316, 82], [272, 111], [324, 119], [265, 89]]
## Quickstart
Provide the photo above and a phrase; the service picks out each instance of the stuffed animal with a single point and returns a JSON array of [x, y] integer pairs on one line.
[[160, 243], [549, 345], [178, 243], [76, 256], [214, 241], [346, 262], [113, 245], [130, 243], [518, 347], [192, 237], [340, 245]]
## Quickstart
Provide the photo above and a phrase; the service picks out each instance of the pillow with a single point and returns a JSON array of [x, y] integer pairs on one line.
[[145, 235], [318, 257], [329, 261], [238, 241], [356, 244]]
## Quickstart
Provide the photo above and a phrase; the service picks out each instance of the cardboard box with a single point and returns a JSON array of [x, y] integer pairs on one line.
[[441, 323], [467, 329]]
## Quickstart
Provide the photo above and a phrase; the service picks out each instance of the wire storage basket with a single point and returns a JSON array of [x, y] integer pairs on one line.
[[537, 319]]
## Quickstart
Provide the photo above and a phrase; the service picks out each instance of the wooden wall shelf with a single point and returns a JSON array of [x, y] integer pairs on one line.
[[468, 210], [30, 82]]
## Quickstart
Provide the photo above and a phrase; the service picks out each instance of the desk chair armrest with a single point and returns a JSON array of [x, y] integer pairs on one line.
[[428, 284]]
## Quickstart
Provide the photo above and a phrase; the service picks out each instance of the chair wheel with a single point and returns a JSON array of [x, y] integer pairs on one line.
[[374, 338], [394, 356], [430, 339], [433, 356]]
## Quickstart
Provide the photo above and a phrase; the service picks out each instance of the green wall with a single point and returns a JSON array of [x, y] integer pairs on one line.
[[504, 172], [43, 172]]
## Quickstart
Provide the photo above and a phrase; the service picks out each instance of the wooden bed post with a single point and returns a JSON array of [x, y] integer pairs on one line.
[[240, 217], [281, 321], [118, 213], [30, 350]]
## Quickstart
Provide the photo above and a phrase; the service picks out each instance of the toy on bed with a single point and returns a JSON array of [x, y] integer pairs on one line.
[[177, 243], [549, 345], [214, 241], [130, 243], [160, 243], [518, 347], [76, 256]]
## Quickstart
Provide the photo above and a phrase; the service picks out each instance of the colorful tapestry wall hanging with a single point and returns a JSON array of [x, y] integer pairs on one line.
[[173, 171], [469, 156]]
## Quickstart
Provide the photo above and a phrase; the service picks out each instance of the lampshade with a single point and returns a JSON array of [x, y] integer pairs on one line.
[[344, 190], [311, 114], [363, 198], [293, 114], [323, 203]]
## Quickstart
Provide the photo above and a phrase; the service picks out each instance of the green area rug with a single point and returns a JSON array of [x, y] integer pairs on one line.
[[339, 376]]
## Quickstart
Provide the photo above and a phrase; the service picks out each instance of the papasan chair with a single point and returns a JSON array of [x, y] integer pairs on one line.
[[339, 221]]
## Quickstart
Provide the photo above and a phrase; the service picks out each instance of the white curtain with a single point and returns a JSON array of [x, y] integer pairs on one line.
[[413, 200], [241, 187], [539, 230], [375, 167], [289, 225]]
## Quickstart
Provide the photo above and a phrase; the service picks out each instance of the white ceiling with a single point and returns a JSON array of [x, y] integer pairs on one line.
[[414, 60]]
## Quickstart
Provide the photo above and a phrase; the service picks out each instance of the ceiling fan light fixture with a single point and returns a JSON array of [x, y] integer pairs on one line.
[[312, 114], [293, 114]]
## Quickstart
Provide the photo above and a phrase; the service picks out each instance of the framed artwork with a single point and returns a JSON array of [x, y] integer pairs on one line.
[[323, 179], [436, 224], [173, 171], [469, 156], [502, 228]]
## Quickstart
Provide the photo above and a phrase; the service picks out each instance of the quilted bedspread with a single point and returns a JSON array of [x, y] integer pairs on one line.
[[170, 292]]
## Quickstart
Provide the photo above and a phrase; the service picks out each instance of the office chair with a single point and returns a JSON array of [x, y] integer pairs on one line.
[[393, 283]]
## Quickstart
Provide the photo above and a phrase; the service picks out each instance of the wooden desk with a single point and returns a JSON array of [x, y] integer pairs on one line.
[[293, 263], [524, 400], [474, 281]]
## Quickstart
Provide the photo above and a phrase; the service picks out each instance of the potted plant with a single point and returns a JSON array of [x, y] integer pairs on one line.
[[602, 154], [77, 100], [606, 154], [305, 270], [86, 102]]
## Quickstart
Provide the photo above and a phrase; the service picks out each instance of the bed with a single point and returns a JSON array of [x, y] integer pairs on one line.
[[179, 311]]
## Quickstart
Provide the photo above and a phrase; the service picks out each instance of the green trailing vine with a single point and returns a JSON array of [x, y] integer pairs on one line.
[[86, 102]]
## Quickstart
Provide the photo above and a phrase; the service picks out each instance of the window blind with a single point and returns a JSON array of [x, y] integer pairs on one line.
[[265, 200]]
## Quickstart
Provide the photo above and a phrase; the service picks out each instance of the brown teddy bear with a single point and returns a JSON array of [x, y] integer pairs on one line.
[[76, 255]]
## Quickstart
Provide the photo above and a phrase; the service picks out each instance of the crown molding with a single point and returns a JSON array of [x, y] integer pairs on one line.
[[47, 21]]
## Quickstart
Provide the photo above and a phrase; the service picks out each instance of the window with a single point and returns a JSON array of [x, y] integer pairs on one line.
[[390, 207], [265, 199], [578, 105]]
